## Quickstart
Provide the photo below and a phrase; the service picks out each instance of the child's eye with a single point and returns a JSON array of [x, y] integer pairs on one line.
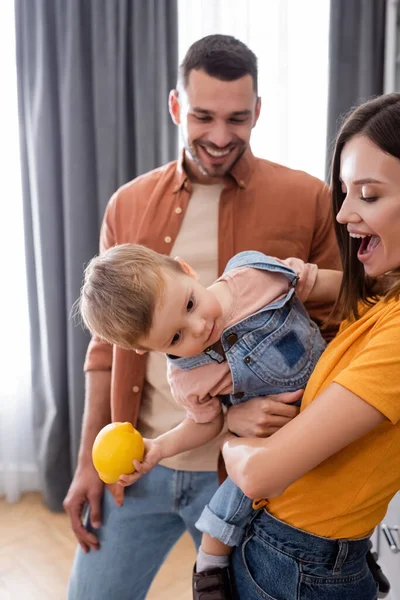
[[190, 305], [175, 339]]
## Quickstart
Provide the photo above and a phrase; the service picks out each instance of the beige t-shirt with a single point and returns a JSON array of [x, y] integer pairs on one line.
[[197, 243]]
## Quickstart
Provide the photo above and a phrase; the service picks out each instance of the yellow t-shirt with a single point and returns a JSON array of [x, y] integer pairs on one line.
[[347, 495]]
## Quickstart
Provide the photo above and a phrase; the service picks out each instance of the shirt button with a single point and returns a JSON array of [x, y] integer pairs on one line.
[[178, 210], [232, 338], [135, 389], [247, 360], [167, 239]]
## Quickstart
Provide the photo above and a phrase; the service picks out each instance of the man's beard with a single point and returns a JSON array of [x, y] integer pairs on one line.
[[215, 170]]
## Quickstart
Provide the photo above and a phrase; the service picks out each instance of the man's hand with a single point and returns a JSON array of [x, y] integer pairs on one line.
[[151, 458], [261, 417], [86, 488]]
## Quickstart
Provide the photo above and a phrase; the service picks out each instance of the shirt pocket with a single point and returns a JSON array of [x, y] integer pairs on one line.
[[285, 349]]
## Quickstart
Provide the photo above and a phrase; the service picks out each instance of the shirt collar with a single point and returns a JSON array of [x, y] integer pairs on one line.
[[240, 173]]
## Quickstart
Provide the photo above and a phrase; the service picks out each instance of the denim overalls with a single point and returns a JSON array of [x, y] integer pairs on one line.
[[273, 350]]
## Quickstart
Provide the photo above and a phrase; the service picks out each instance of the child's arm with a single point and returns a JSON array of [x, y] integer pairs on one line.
[[326, 287], [314, 284], [185, 436], [188, 435]]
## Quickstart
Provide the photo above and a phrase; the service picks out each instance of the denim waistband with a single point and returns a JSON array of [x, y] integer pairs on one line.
[[307, 546]]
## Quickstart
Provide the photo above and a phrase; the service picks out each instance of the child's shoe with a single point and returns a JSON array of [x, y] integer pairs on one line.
[[214, 584]]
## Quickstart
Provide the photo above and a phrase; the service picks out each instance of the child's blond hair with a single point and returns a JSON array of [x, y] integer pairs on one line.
[[121, 289]]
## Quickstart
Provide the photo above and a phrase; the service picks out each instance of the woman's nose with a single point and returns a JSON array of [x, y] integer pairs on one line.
[[347, 213]]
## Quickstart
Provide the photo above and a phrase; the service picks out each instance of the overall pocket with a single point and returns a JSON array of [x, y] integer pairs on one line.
[[286, 355]]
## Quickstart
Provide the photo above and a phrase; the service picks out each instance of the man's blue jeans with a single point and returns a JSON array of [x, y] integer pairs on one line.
[[136, 538]]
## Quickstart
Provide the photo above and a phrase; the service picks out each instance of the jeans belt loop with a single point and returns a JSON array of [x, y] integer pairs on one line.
[[341, 556]]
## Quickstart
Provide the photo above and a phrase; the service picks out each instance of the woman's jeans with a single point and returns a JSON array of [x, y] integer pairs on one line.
[[279, 562]]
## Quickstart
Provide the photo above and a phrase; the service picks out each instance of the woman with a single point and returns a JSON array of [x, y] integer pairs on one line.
[[330, 474]]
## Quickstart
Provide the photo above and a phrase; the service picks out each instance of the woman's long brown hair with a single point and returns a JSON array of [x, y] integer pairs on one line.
[[379, 120]]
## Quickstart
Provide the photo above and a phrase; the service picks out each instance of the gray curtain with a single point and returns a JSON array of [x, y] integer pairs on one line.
[[93, 83], [356, 58]]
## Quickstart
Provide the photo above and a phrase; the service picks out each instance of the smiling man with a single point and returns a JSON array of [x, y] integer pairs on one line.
[[214, 202], [215, 117]]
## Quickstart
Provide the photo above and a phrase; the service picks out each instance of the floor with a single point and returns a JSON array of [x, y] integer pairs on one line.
[[37, 548]]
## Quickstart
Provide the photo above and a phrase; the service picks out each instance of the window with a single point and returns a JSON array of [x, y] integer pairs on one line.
[[290, 39]]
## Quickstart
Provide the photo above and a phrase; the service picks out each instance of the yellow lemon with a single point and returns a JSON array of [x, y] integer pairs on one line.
[[114, 449]]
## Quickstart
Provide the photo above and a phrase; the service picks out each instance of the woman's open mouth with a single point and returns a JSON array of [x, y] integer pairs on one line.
[[367, 246]]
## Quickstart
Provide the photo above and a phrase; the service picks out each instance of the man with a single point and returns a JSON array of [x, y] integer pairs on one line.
[[216, 201]]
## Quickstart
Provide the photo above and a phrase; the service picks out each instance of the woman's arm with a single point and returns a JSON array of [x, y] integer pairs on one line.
[[264, 468]]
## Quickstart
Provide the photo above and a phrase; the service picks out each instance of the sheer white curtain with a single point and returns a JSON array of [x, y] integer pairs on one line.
[[18, 470], [290, 39]]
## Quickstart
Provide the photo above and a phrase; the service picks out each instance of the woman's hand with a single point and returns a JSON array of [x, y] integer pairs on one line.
[[151, 458], [261, 417]]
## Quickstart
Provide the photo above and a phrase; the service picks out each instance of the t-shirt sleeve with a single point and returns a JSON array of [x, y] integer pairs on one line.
[[307, 273], [374, 373]]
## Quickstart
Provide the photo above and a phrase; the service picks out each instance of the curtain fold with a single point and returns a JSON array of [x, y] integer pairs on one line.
[[93, 83], [356, 58]]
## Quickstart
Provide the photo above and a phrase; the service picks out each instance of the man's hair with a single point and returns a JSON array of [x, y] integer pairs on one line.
[[221, 56], [120, 291], [379, 120]]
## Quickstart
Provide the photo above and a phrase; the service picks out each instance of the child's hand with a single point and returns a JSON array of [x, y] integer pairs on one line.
[[151, 458]]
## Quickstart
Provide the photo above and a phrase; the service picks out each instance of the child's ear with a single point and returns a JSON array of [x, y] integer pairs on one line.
[[186, 268], [141, 352]]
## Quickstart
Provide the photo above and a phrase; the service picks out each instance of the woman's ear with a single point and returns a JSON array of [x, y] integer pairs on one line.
[[186, 268]]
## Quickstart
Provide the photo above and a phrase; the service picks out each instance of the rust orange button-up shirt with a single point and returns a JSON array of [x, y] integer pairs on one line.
[[264, 206]]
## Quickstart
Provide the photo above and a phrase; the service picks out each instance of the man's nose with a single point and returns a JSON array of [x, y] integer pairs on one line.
[[220, 135]]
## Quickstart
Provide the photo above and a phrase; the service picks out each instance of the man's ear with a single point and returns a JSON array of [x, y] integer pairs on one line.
[[141, 352], [257, 111], [174, 107], [186, 268]]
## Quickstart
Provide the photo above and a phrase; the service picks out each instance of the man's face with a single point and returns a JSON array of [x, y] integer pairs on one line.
[[215, 119]]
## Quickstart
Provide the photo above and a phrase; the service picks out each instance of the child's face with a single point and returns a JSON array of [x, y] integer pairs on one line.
[[187, 319]]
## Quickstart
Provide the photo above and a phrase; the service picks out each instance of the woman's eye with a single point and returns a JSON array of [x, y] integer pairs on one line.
[[369, 198], [175, 339], [190, 305]]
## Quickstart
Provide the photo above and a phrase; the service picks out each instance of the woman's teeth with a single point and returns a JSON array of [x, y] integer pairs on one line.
[[358, 235]]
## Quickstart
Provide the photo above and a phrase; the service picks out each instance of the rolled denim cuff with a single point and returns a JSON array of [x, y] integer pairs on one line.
[[231, 535]]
